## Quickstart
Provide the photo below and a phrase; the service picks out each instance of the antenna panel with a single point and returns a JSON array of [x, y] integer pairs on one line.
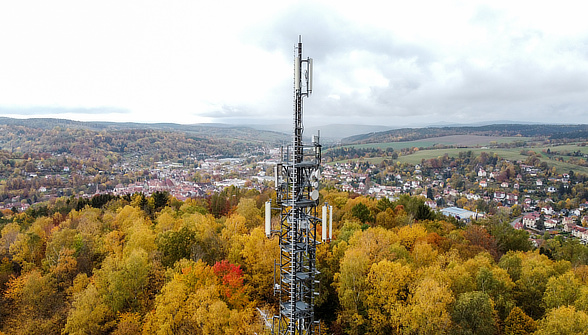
[[268, 218], [310, 75], [314, 195]]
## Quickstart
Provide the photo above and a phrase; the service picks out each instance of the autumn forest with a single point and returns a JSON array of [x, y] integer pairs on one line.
[[157, 265]]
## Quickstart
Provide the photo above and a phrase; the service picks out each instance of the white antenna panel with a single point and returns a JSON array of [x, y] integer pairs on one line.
[[314, 195], [309, 75], [277, 175], [268, 218], [324, 223], [330, 222]]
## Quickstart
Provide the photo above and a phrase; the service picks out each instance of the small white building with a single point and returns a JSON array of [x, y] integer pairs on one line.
[[530, 220]]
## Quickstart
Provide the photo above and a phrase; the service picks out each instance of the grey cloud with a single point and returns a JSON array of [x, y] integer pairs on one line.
[[237, 113], [326, 35], [520, 81], [42, 110], [227, 111], [486, 16], [513, 84]]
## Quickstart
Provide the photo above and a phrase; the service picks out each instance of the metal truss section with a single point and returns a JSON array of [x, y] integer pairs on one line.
[[297, 197]]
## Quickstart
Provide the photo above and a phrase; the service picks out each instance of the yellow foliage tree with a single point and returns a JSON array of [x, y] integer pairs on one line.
[[386, 296], [565, 320], [28, 248], [375, 243], [410, 234], [519, 323], [423, 254], [89, 314], [428, 308], [128, 216], [9, 234], [248, 209], [167, 221], [257, 259], [191, 304], [562, 290], [351, 284]]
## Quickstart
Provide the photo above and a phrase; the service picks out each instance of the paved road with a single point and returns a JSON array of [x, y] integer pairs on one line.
[[515, 222]]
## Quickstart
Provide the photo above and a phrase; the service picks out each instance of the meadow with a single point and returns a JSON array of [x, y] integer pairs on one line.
[[454, 140], [478, 144]]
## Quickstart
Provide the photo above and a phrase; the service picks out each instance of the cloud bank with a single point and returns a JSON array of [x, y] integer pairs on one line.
[[394, 64]]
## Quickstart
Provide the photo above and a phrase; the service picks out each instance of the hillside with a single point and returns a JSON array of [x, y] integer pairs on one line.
[[523, 130], [212, 131]]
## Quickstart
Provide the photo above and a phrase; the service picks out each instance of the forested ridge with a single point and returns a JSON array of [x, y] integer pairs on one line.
[[112, 143], [156, 265], [202, 131], [574, 131], [43, 158]]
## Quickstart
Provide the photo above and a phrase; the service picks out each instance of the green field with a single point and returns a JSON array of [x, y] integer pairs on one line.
[[457, 140], [512, 154], [478, 144], [564, 148]]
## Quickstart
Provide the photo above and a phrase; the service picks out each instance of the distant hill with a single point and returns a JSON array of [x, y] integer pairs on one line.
[[523, 130], [217, 131], [329, 133], [336, 132], [279, 134], [274, 134]]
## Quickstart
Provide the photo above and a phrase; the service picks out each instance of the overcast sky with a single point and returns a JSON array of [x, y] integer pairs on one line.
[[393, 63]]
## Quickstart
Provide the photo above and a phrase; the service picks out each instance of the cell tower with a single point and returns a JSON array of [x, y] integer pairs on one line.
[[296, 179]]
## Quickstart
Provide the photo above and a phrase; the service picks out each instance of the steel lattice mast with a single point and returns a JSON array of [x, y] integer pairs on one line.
[[297, 196]]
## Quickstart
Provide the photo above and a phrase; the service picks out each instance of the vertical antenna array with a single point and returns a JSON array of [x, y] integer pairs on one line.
[[297, 196]]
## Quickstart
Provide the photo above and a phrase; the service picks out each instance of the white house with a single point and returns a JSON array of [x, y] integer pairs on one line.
[[499, 195], [581, 233], [530, 220], [550, 223], [547, 210]]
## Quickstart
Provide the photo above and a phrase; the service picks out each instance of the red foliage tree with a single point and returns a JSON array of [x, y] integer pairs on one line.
[[231, 279]]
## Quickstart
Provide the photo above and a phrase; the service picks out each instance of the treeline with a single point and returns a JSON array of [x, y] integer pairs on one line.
[[574, 135], [156, 265], [85, 143], [556, 132], [343, 153], [73, 157], [223, 133]]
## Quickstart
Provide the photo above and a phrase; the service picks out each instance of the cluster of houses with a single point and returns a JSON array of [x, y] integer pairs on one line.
[[488, 186], [571, 222], [179, 182]]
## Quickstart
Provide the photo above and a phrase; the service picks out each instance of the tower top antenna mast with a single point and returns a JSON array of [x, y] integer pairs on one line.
[[297, 197]]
